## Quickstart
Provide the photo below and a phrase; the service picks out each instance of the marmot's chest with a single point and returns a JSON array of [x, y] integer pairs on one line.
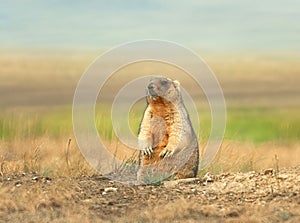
[[160, 127]]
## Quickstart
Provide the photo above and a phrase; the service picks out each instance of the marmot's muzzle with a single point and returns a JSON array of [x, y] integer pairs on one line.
[[151, 91]]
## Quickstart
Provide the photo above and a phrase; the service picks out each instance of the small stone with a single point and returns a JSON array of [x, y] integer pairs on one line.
[[239, 178], [283, 176], [48, 179], [170, 183], [110, 189], [87, 201], [35, 178], [173, 183], [207, 177]]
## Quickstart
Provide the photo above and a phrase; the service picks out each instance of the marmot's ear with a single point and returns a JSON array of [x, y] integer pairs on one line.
[[177, 84]]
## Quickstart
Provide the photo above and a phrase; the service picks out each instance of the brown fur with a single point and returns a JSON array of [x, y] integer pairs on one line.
[[166, 128]]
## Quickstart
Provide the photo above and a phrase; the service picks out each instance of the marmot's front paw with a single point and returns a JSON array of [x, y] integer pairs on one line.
[[166, 153], [148, 150]]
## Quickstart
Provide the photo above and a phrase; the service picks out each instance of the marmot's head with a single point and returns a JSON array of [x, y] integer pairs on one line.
[[162, 90]]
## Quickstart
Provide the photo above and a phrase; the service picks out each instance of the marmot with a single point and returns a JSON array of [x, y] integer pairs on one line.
[[167, 142]]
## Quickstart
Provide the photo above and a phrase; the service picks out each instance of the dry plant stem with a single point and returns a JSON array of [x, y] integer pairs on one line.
[[276, 160], [67, 153], [35, 160], [2, 166]]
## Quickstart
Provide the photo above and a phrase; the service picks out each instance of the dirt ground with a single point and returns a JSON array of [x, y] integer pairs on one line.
[[267, 196]]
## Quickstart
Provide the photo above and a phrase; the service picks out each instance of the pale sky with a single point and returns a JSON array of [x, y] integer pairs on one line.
[[209, 24]]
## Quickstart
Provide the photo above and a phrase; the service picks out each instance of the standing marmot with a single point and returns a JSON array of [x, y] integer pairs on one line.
[[166, 137]]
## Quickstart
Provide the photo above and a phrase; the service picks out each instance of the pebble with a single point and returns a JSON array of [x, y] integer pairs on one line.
[[110, 189]]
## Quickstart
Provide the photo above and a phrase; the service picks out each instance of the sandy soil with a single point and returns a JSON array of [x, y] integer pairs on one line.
[[266, 196]]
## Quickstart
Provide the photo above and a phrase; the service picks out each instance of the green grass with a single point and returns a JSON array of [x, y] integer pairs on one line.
[[31, 124], [255, 125], [262, 125]]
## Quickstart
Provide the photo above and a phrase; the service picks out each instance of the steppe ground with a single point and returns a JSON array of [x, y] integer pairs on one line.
[[254, 177]]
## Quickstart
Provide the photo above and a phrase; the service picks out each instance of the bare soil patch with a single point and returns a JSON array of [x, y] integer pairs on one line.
[[266, 196]]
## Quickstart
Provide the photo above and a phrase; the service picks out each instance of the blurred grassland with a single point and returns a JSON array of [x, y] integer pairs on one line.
[[261, 90], [255, 125]]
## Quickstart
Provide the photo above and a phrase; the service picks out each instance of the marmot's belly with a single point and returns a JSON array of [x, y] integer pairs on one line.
[[159, 132], [160, 137]]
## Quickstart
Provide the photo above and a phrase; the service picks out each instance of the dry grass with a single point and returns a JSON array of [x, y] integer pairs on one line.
[[44, 156], [61, 157], [244, 157], [42, 201]]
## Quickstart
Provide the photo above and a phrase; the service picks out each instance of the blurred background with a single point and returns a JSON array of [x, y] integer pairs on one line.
[[252, 47]]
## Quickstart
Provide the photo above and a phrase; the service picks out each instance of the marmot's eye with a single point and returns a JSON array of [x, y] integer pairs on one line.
[[164, 82]]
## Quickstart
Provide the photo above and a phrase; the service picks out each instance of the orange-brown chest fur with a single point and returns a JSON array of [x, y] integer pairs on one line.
[[162, 117]]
